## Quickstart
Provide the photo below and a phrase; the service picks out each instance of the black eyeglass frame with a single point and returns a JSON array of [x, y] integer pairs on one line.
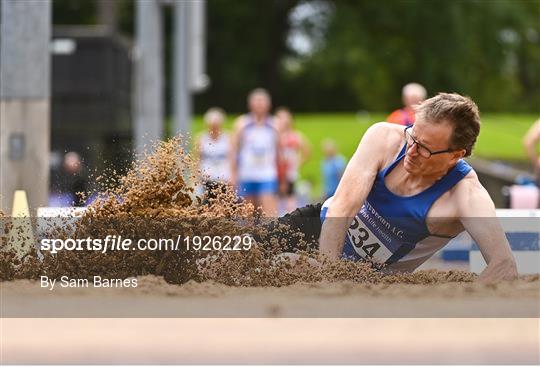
[[423, 146]]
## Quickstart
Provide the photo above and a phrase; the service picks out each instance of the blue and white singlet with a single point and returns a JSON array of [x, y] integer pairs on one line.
[[391, 229], [257, 159]]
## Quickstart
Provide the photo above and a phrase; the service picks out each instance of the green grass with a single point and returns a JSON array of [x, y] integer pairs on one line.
[[500, 136]]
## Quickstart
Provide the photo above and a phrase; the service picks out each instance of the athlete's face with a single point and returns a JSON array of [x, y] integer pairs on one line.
[[284, 119], [214, 123], [433, 137], [259, 104], [412, 99]]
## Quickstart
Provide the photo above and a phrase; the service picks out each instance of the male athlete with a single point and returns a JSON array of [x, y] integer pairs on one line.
[[255, 153], [406, 192]]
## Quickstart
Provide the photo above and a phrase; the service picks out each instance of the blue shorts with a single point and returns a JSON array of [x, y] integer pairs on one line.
[[251, 188]]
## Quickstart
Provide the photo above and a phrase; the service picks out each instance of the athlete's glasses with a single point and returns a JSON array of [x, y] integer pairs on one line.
[[421, 149]]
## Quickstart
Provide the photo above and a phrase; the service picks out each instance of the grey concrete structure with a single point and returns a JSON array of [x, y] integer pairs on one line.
[[181, 61], [199, 80], [25, 33], [188, 60], [149, 102], [188, 66]]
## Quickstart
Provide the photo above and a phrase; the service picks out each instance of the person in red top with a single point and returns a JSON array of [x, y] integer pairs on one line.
[[412, 94], [295, 151]]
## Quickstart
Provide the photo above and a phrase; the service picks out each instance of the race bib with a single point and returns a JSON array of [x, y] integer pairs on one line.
[[259, 155], [366, 243], [373, 237]]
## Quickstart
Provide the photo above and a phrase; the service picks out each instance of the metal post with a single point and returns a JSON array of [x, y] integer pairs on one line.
[[181, 94], [25, 34], [199, 79], [189, 59], [107, 14], [149, 74]]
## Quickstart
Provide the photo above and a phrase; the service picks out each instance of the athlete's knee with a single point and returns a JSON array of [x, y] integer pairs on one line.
[[308, 211], [305, 220]]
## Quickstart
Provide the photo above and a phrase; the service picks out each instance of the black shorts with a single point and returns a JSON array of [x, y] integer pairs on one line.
[[289, 191], [305, 220]]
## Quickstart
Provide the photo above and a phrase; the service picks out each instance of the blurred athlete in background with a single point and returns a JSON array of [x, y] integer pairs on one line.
[[214, 150], [412, 94], [332, 167], [295, 151], [530, 141], [255, 153]]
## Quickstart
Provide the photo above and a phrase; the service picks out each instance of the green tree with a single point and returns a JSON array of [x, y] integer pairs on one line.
[[486, 49], [246, 43]]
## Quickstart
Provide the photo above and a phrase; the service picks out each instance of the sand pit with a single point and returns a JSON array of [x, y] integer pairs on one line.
[[156, 298]]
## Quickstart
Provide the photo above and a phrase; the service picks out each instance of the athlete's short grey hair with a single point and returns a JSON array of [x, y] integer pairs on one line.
[[258, 92], [414, 89], [459, 111], [214, 113]]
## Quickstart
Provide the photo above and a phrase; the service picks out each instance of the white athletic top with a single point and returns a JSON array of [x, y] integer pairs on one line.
[[257, 158], [214, 157]]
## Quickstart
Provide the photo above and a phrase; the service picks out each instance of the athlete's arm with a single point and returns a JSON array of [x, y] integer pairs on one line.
[[529, 141], [305, 149], [279, 149], [353, 188], [231, 156], [477, 213], [235, 148]]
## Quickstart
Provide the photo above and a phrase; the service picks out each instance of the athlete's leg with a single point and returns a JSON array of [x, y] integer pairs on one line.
[[248, 191], [267, 194], [305, 220], [291, 203], [269, 204], [291, 196]]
